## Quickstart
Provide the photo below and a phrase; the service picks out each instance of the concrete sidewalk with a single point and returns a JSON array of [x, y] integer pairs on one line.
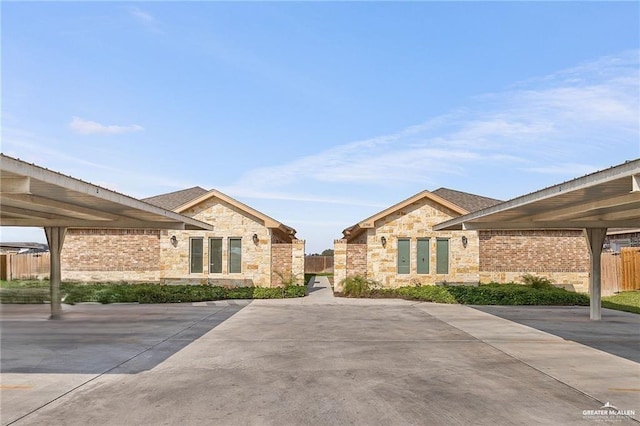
[[320, 292], [344, 361]]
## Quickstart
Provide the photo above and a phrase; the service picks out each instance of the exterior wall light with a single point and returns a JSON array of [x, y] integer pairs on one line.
[[383, 240], [174, 240], [255, 239], [465, 241]]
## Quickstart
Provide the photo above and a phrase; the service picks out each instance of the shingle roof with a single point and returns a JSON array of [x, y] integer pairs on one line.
[[469, 202], [172, 200]]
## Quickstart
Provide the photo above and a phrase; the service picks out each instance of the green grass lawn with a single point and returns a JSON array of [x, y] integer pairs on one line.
[[628, 301]]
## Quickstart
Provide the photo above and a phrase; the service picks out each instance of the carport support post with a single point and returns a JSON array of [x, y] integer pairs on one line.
[[595, 239], [55, 238]]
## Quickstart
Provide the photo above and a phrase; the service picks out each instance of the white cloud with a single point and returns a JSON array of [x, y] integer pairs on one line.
[[570, 122], [568, 169], [145, 18], [87, 127]]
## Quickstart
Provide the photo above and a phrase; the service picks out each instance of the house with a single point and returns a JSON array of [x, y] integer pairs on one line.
[[245, 248], [398, 247], [618, 238]]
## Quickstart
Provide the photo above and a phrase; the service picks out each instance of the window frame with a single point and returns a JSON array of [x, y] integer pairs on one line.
[[439, 262], [211, 253], [231, 255], [192, 255]]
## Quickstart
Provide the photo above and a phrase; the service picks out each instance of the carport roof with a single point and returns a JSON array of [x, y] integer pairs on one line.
[[31, 195], [605, 199]]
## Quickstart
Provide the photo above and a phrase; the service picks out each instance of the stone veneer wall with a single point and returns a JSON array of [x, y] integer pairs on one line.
[[228, 222], [111, 255], [560, 255], [297, 260], [413, 222], [339, 263]]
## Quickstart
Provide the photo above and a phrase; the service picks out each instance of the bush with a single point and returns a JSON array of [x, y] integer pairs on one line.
[[160, 293], [539, 292], [358, 286], [516, 294], [540, 283], [427, 293]]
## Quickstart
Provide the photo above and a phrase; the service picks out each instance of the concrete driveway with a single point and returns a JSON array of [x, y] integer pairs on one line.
[[311, 361]]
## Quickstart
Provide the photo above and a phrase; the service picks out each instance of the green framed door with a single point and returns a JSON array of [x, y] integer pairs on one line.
[[423, 256], [404, 263], [442, 256]]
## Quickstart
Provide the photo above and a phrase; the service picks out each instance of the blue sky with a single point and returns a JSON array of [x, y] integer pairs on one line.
[[320, 114]]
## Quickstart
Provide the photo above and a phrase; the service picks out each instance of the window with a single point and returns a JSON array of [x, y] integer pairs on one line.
[[423, 255], [442, 256], [215, 255], [235, 255], [404, 264], [195, 255]]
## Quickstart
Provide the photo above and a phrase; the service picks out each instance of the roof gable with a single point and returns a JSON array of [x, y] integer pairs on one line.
[[370, 221], [268, 221]]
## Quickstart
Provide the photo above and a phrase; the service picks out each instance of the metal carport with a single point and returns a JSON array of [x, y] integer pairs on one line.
[[37, 197], [606, 199]]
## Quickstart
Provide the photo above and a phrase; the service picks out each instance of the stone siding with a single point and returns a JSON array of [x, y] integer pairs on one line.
[[339, 263], [111, 255], [415, 222], [297, 260], [228, 222]]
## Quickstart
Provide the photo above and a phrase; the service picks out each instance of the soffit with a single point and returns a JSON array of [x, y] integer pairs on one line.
[[606, 199], [34, 196]]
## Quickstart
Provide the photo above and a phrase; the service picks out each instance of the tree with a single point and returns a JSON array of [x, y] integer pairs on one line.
[[327, 252]]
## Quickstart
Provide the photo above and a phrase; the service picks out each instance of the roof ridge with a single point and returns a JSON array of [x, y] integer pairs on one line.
[[175, 192]]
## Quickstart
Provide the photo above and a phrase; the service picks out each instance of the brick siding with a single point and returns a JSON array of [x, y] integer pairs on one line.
[[533, 251], [281, 263], [357, 259], [133, 254]]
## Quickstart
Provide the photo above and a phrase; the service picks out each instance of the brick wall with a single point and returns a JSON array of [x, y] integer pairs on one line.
[[535, 251], [357, 259], [281, 263], [111, 255], [562, 256]]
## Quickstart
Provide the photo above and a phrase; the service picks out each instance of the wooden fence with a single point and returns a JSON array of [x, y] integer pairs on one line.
[[318, 264], [24, 266], [621, 271]]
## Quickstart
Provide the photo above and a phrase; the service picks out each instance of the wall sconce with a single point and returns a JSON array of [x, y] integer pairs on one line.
[[383, 240], [465, 241], [174, 240], [255, 239]]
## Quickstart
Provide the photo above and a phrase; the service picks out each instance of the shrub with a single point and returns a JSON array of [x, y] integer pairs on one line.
[[516, 294], [160, 293], [428, 293], [358, 286], [537, 282]]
